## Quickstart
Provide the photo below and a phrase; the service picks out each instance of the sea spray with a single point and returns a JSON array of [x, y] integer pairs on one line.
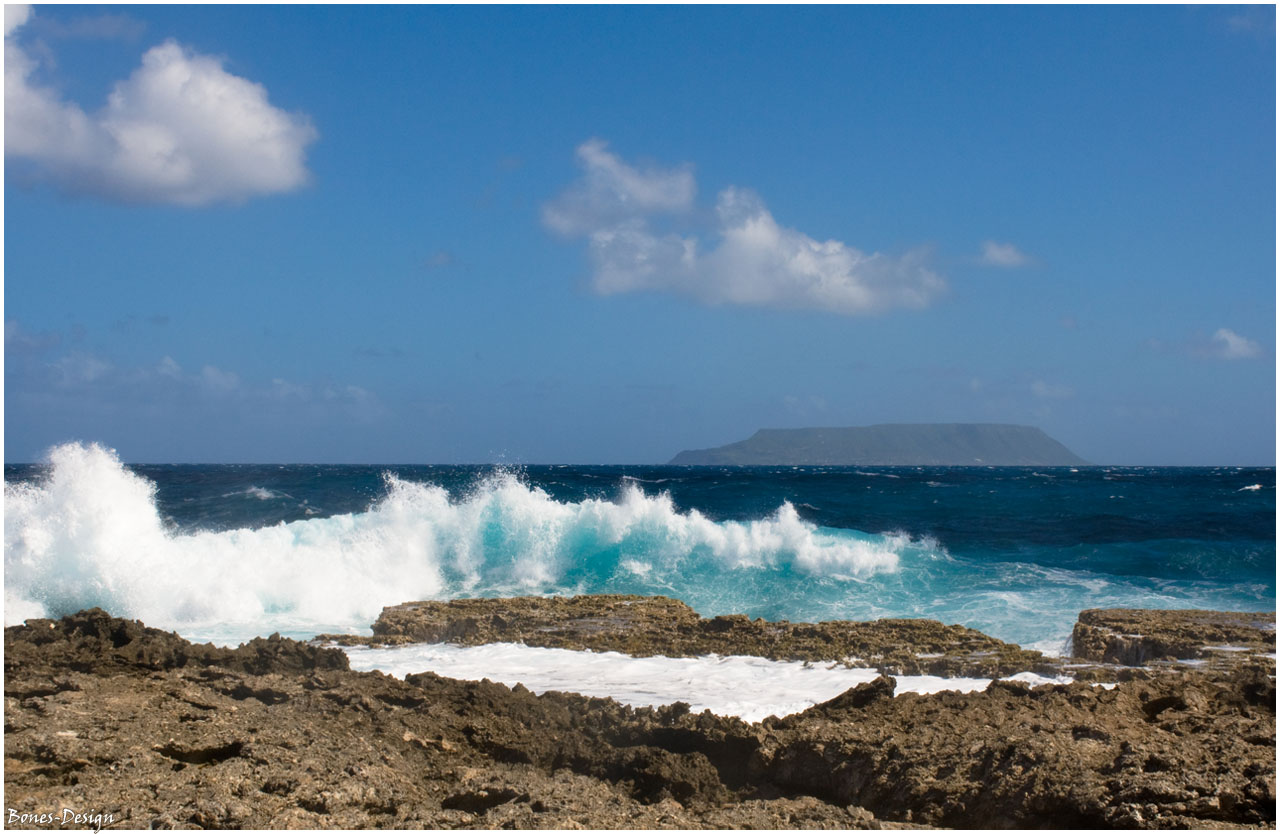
[[89, 533], [228, 552]]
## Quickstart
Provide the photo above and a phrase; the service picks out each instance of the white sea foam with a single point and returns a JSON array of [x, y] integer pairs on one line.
[[90, 534], [749, 687], [1053, 647], [261, 493]]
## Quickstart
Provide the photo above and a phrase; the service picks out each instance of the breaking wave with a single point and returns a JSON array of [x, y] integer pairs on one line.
[[89, 533]]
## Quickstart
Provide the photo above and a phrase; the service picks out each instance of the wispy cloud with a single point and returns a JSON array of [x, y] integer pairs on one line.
[[1224, 344], [1260, 20], [35, 367], [1049, 391], [612, 192], [805, 406], [18, 339], [219, 383], [440, 259], [168, 367], [1241, 22], [218, 380], [180, 130], [105, 26], [1227, 344], [753, 260], [77, 369], [1003, 255]]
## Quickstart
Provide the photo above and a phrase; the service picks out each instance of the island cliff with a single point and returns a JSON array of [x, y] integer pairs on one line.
[[891, 444]]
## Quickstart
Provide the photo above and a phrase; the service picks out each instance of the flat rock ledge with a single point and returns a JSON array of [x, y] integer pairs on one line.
[[142, 729], [1108, 644], [1134, 637], [645, 626]]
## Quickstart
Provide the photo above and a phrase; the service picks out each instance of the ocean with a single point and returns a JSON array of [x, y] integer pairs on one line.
[[223, 553]]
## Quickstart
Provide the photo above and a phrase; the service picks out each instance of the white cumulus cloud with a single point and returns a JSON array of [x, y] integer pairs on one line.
[[751, 260], [180, 130], [1003, 254]]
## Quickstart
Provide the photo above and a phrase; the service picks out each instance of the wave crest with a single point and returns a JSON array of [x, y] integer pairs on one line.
[[89, 533]]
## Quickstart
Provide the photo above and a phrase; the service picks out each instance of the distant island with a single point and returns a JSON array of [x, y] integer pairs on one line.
[[890, 444]]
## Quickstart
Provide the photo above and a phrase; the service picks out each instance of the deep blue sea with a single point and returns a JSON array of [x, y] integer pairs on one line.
[[228, 552]]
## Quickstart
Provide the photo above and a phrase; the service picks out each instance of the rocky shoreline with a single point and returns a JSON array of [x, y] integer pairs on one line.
[[108, 717], [647, 626]]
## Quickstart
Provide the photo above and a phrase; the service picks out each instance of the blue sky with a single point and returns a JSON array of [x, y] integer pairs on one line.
[[603, 235]]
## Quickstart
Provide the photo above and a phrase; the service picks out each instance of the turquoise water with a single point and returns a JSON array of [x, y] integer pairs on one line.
[[228, 552]]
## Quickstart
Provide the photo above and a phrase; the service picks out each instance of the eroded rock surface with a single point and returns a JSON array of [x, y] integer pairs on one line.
[[1134, 637], [106, 715], [1186, 751], [646, 626]]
